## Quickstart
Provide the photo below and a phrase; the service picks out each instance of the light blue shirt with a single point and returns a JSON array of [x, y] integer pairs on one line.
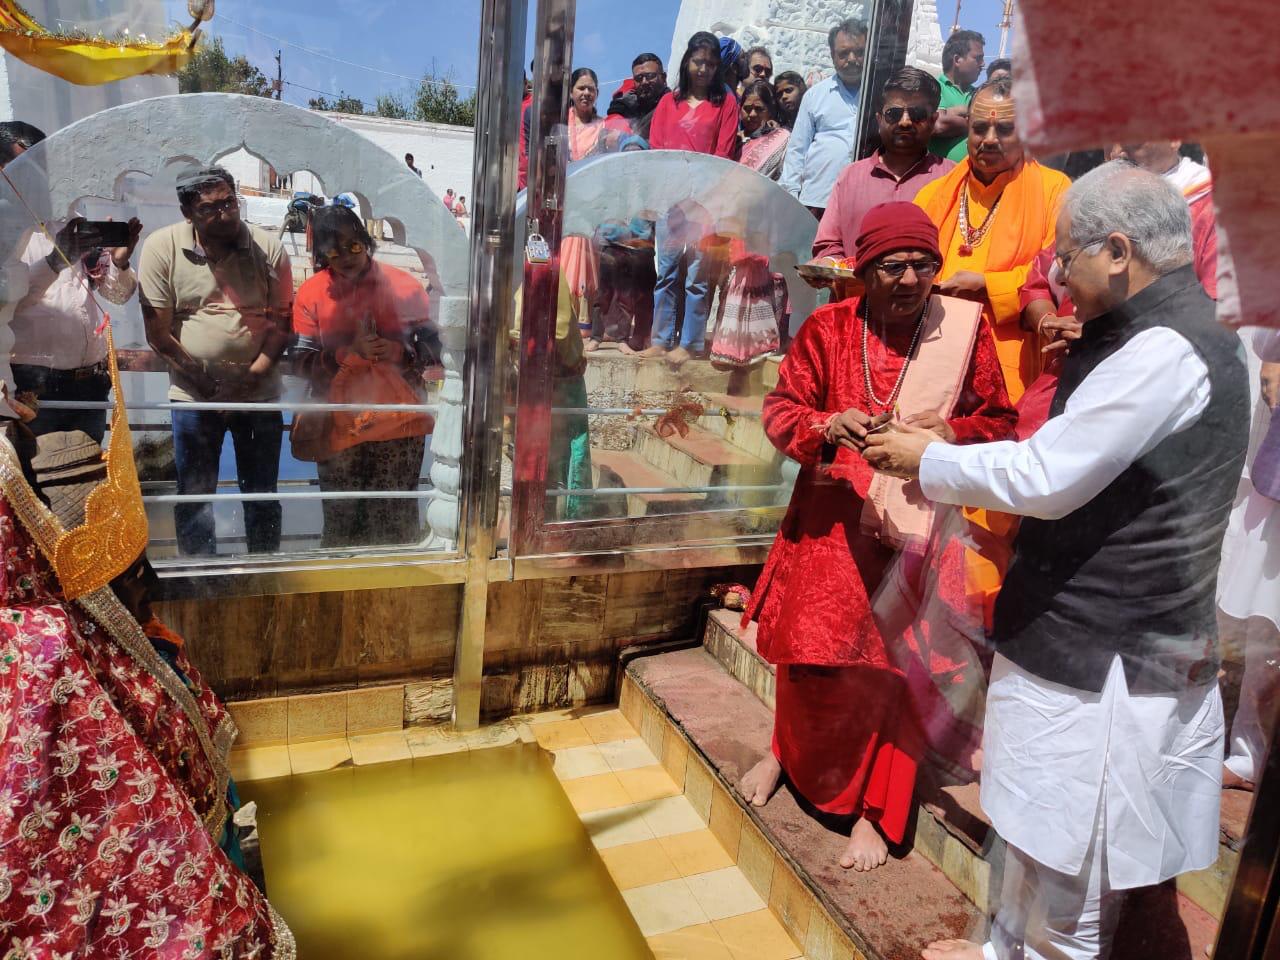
[[821, 143]]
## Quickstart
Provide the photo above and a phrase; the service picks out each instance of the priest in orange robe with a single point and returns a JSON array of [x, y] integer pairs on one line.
[[995, 211]]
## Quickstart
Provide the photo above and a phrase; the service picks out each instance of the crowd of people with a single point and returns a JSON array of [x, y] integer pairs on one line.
[[676, 274], [1037, 478]]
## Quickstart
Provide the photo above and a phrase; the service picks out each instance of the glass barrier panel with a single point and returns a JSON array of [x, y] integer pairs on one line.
[[279, 232], [678, 288], [986, 638]]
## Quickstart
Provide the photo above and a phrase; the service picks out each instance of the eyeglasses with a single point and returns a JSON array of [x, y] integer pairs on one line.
[[1065, 260], [917, 114], [215, 207], [355, 246], [897, 269]]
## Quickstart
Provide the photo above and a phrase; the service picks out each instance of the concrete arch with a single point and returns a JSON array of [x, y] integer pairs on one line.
[[85, 159], [737, 200]]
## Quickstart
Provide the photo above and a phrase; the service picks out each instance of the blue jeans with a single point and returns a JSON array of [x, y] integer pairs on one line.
[[197, 448], [48, 384], [684, 271]]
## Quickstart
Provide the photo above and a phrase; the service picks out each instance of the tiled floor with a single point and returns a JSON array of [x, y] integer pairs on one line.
[[686, 894]]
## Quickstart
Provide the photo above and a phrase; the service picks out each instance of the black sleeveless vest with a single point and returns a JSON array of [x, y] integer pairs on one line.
[[1134, 571]]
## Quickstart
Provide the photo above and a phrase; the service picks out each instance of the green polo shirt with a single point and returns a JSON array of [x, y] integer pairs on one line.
[[953, 148]]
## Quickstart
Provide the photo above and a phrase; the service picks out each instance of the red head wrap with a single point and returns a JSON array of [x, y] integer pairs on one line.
[[894, 226]]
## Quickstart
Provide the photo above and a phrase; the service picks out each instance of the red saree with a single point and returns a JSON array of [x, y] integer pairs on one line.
[[848, 735], [113, 776]]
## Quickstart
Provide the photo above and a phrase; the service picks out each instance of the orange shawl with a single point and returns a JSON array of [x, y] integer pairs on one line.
[[1029, 206], [1029, 200]]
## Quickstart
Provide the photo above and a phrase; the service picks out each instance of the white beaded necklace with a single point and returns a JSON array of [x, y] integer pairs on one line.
[[902, 374]]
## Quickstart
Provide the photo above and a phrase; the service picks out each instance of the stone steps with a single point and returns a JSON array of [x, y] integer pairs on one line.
[[701, 458], [786, 855], [627, 468], [769, 372], [953, 834], [742, 427]]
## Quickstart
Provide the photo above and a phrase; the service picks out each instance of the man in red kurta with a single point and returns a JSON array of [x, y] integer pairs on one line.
[[844, 734]]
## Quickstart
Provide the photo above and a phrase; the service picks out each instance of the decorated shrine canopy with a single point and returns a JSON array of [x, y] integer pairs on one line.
[[88, 60], [1094, 72]]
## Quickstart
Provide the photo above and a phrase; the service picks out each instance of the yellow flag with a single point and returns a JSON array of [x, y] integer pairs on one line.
[[87, 61]]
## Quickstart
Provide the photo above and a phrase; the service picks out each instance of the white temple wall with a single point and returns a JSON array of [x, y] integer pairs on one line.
[[795, 31]]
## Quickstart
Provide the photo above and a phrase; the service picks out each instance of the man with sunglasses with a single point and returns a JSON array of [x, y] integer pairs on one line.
[[836, 601], [631, 110], [216, 295], [896, 171]]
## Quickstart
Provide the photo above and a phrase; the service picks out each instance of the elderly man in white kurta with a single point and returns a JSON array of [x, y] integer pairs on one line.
[[1102, 761]]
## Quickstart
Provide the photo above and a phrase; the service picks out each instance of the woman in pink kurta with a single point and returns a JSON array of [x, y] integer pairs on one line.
[[587, 136], [700, 116], [764, 140]]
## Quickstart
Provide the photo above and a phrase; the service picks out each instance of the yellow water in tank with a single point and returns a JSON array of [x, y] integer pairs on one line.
[[471, 856]]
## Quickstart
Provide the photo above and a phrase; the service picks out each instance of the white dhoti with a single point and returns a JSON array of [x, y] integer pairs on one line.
[[1249, 582], [1048, 914], [1095, 793]]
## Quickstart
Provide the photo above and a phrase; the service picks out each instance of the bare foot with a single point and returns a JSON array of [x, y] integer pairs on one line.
[[678, 356], [866, 850], [655, 350], [1233, 781], [593, 345], [624, 347], [952, 950], [761, 781]]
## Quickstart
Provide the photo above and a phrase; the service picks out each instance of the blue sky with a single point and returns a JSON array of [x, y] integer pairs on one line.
[[367, 47]]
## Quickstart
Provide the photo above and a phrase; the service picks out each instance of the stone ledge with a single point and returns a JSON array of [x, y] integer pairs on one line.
[[953, 834], [889, 914]]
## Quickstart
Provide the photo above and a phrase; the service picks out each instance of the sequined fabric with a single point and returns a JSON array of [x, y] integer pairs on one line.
[[110, 808]]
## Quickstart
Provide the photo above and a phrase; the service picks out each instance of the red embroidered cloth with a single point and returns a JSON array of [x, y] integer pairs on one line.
[[113, 785]]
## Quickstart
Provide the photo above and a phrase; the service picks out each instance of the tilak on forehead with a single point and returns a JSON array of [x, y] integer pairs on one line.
[[994, 107]]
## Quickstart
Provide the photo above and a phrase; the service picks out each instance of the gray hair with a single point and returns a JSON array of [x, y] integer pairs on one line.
[[1119, 197], [851, 28]]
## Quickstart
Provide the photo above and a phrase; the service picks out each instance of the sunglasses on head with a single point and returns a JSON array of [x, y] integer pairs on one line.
[[917, 114]]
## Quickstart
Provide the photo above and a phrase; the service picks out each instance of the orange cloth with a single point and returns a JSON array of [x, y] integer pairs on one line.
[[1030, 198], [156, 629]]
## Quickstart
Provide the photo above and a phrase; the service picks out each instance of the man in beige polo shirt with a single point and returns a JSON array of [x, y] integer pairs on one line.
[[216, 296]]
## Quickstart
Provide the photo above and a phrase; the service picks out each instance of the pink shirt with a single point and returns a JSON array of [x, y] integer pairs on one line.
[[860, 187], [702, 129]]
